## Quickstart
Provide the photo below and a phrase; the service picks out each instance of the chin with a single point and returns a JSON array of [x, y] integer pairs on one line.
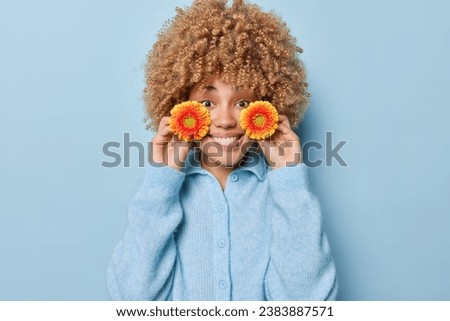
[[217, 158], [229, 156]]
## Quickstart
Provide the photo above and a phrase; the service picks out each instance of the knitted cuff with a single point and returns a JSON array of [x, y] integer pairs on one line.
[[282, 180]]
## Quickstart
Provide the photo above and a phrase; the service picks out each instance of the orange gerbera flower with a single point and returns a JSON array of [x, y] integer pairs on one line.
[[189, 120], [259, 120]]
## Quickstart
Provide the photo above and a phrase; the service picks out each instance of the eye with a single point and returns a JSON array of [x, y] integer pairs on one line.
[[206, 103], [243, 104]]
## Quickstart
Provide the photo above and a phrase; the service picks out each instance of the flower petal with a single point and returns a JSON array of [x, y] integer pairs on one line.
[[190, 121], [259, 120]]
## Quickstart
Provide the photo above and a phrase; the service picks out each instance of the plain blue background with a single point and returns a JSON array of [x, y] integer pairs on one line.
[[71, 76]]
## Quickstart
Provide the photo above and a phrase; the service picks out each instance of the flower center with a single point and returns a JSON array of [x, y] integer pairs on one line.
[[189, 122], [260, 120]]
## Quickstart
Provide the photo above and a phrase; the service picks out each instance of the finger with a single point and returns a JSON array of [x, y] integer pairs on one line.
[[164, 133], [164, 124], [269, 150], [283, 119], [266, 144], [285, 129], [164, 121], [177, 152], [176, 142]]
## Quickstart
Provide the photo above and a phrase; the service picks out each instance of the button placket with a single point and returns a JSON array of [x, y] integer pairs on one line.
[[221, 253]]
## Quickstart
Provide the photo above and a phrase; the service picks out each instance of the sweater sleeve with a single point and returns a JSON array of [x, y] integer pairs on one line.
[[301, 266], [143, 263]]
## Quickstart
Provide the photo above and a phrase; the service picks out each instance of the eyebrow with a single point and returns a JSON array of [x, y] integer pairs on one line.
[[210, 88]]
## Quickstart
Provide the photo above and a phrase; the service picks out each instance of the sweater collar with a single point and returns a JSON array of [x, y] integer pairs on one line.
[[253, 162]]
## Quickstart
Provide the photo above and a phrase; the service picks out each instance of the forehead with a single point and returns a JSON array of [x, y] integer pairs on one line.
[[218, 85]]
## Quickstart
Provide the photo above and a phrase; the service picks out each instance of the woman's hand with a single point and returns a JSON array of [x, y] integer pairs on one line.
[[283, 147], [167, 149]]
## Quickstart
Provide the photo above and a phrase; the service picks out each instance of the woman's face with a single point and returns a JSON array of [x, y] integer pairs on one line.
[[225, 144]]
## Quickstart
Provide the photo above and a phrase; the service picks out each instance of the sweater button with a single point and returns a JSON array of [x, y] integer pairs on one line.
[[221, 208], [222, 284], [222, 243], [234, 178]]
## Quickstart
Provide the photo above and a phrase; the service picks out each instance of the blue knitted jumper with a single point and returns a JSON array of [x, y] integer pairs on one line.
[[259, 239]]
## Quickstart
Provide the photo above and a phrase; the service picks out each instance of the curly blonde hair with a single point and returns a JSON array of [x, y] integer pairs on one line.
[[247, 47]]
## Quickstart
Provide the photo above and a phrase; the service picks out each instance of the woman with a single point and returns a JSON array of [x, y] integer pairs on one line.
[[226, 217]]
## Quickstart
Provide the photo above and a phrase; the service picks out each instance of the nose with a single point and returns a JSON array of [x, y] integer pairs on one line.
[[224, 117]]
